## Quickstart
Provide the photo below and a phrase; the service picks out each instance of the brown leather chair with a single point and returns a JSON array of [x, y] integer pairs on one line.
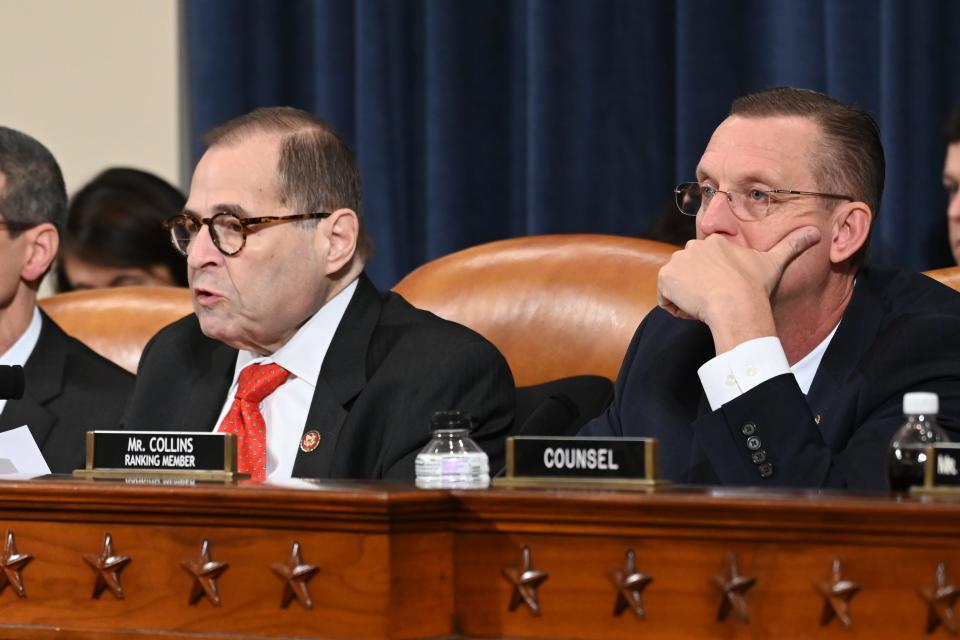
[[555, 306], [118, 322], [949, 276]]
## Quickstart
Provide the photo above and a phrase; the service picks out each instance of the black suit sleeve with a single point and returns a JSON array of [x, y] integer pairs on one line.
[[915, 353], [608, 423], [475, 378]]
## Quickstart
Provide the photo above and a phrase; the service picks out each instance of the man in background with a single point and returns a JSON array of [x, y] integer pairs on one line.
[[69, 388], [776, 356], [291, 347], [951, 181]]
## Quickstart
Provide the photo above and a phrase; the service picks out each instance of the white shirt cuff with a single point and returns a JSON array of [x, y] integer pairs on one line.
[[731, 374]]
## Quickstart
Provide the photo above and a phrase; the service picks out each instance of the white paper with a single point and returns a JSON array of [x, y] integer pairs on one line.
[[20, 456]]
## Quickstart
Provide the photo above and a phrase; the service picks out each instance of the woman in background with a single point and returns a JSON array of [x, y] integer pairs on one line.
[[114, 235]]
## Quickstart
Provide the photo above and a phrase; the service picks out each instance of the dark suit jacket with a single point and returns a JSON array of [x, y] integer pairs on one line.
[[389, 367], [69, 391], [900, 333]]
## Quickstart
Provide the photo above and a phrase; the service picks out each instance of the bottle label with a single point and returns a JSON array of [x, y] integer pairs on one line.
[[451, 471]]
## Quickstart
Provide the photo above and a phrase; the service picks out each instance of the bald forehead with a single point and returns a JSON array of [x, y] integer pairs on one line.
[[762, 149], [785, 136], [258, 152], [239, 175]]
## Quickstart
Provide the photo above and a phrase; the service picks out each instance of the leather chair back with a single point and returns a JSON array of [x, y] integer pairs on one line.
[[555, 305], [118, 322], [949, 276]]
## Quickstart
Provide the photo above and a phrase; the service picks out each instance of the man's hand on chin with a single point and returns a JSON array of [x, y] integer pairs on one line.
[[728, 286]]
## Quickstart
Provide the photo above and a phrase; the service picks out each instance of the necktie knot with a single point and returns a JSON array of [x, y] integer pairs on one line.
[[257, 381], [244, 419]]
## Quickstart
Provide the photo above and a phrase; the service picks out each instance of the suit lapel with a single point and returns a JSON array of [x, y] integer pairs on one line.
[[44, 372], [28, 411], [342, 377], [208, 390], [858, 329]]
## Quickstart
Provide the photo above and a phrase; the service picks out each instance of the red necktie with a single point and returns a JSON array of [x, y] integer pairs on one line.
[[244, 419]]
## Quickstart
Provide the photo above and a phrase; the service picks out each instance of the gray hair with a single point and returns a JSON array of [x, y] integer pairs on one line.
[[33, 190], [316, 170]]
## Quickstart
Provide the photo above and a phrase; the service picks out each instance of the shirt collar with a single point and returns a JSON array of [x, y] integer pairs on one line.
[[805, 369], [303, 354], [23, 347]]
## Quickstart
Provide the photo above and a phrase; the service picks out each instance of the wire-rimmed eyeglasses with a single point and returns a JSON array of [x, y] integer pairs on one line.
[[753, 204], [227, 230]]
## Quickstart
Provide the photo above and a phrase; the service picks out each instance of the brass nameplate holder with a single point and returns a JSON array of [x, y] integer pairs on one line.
[[941, 469], [613, 463], [184, 455]]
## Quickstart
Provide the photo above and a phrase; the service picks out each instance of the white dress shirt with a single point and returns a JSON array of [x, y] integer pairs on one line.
[[19, 353], [749, 364], [285, 410]]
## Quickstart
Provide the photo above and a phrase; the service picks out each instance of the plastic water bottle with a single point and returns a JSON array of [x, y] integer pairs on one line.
[[907, 453], [451, 460]]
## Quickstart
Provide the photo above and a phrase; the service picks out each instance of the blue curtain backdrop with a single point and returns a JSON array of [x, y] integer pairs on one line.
[[474, 121]]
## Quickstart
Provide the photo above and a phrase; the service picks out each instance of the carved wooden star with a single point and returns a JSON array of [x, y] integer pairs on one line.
[[205, 573], [107, 566], [734, 589], [295, 574], [940, 599], [12, 562], [837, 593], [525, 581], [630, 584]]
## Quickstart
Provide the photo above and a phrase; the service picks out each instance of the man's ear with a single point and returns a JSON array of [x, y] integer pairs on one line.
[[851, 228], [42, 243], [343, 230]]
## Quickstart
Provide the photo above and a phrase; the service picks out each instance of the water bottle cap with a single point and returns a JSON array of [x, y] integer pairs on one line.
[[450, 420], [920, 402]]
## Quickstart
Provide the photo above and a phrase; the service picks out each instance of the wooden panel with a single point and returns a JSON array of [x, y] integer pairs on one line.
[[682, 537], [394, 562], [352, 582], [578, 598], [373, 578]]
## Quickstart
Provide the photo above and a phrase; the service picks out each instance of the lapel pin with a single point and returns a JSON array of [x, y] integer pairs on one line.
[[310, 441]]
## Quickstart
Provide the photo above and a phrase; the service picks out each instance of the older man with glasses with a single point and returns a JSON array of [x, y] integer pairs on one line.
[[68, 388], [291, 346], [776, 356]]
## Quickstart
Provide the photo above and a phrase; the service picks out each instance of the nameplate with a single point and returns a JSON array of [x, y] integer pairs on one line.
[[198, 455], [558, 461], [941, 469]]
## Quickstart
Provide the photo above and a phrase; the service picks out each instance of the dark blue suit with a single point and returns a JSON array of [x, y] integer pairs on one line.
[[900, 333], [69, 390]]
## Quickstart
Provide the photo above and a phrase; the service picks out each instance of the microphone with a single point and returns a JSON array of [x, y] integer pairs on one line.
[[11, 382]]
